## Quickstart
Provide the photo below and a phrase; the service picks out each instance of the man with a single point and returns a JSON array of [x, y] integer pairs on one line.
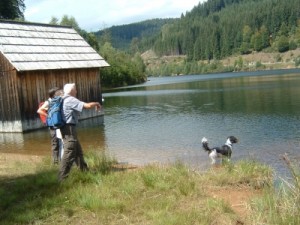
[[72, 107], [55, 144]]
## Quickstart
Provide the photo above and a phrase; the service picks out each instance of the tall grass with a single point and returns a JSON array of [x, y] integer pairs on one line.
[[280, 206], [244, 173], [155, 194]]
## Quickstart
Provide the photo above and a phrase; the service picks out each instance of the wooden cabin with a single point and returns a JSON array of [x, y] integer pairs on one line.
[[37, 57]]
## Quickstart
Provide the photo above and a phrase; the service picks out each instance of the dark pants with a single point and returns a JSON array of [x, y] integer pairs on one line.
[[72, 151], [54, 145]]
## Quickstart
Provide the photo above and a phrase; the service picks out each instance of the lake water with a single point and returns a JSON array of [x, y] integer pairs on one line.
[[165, 119]]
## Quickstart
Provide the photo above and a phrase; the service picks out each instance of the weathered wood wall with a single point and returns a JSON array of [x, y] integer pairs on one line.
[[9, 98], [31, 87]]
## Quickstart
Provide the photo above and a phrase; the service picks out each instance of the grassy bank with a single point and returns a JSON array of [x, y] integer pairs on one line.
[[240, 193]]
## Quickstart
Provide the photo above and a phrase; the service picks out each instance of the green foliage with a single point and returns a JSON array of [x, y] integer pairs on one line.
[[245, 48], [292, 45], [12, 9], [247, 33], [124, 70], [284, 30], [122, 36], [91, 39], [297, 61], [71, 21], [278, 58], [245, 172], [297, 34], [100, 162], [216, 29], [282, 203], [239, 64], [186, 67], [259, 65], [256, 41], [246, 40], [54, 21], [283, 44], [208, 32]]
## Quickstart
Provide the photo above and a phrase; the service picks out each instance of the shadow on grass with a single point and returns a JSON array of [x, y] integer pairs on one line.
[[41, 199], [24, 199], [28, 198]]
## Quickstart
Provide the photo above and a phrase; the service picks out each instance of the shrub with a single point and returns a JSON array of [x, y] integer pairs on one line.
[[283, 44], [292, 45], [279, 206], [297, 61]]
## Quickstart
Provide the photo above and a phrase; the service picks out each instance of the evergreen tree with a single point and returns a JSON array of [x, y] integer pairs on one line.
[[218, 28], [12, 9], [265, 37], [256, 41], [70, 21], [283, 44], [54, 20], [123, 70], [246, 40]]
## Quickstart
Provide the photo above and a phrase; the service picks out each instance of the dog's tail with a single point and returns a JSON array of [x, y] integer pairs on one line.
[[205, 144]]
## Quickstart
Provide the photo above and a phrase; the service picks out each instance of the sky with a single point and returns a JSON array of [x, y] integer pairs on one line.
[[94, 15]]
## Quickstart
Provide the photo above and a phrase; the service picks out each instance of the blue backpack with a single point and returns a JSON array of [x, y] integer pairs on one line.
[[54, 118]]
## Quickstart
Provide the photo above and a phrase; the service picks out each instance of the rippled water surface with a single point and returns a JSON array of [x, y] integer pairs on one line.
[[164, 120]]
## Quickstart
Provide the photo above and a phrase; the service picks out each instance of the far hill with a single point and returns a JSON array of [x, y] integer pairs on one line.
[[219, 28], [216, 29], [216, 36], [121, 36]]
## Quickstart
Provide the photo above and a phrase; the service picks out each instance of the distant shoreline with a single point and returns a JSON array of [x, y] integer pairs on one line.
[[256, 61]]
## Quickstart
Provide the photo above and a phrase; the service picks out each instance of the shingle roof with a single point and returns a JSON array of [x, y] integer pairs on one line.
[[43, 47]]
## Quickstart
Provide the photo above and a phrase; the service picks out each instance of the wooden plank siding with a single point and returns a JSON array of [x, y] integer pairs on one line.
[[37, 57], [22, 92], [34, 86], [9, 101]]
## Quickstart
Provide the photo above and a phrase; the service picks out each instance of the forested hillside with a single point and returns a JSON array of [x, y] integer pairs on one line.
[[219, 28], [125, 37], [216, 36]]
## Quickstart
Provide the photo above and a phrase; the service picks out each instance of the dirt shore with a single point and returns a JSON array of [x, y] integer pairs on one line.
[[268, 60], [10, 164]]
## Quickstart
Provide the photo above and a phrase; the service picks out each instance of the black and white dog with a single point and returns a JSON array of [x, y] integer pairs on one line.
[[219, 152]]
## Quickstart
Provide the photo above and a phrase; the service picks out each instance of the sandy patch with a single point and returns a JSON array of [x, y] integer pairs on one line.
[[238, 199], [17, 164]]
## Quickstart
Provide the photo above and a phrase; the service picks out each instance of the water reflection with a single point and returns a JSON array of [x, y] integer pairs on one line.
[[167, 121], [7, 139], [91, 135]]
